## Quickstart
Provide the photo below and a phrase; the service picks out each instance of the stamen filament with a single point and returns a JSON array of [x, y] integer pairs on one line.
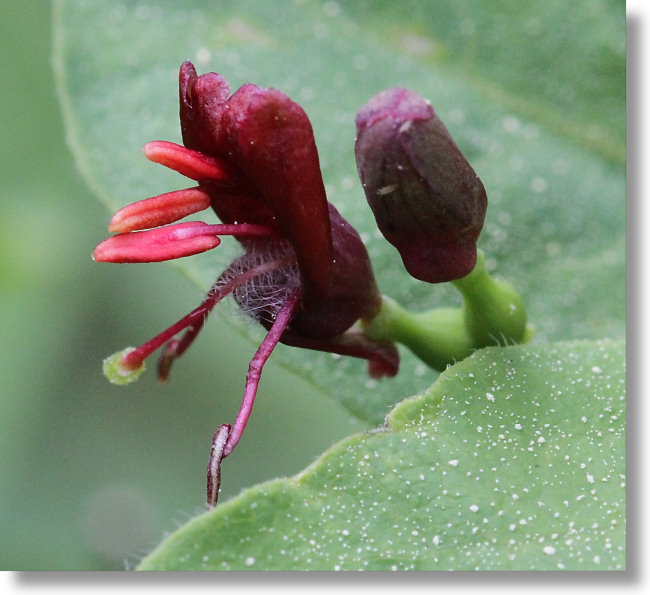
[[135, 358], [243, 229], [254, 374], [225, 439], [196, 318]]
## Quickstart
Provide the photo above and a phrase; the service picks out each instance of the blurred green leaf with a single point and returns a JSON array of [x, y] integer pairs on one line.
[[535, 98], [499, 466]]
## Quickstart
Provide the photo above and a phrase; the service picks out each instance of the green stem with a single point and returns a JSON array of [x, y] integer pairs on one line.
[[492, 314], [438, 337], [494, 310]]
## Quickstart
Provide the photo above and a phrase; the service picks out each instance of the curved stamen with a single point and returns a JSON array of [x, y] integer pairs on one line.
[[155, 245], [195, 320], [191, 164], [172, 241], [225, 439], [254, 374], [159, 210]]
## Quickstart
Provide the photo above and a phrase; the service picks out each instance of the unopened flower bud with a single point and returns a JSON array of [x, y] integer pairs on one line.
[[427, 200]]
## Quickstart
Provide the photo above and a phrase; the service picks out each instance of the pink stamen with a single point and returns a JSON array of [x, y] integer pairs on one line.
[[135, 358], [225, 439], [159, 210], [176, 347], [191, 164], [155, 245], [254, 374], [195, 320], [173, 241]]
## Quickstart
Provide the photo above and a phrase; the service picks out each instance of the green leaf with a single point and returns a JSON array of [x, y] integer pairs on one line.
[[535, 98], [513, 460]]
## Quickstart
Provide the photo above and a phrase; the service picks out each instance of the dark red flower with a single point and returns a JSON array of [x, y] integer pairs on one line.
[[426, 198], [304, 273]]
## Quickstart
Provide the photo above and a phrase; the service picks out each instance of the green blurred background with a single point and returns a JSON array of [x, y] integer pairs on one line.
[[92, 475]]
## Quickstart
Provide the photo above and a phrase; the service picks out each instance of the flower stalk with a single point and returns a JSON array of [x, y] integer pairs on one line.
[[493, 310], [493, 313], [438, 337]]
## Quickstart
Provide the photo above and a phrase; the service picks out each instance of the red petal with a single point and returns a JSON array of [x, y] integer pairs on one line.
[[202, 99], [273, 143]]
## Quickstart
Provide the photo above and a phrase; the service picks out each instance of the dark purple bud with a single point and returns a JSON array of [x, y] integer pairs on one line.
[[427, 200]]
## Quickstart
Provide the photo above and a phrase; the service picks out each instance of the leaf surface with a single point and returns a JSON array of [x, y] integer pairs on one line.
[[501, 465]]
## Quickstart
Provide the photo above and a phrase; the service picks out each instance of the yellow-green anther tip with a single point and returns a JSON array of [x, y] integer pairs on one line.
[[117, 372]]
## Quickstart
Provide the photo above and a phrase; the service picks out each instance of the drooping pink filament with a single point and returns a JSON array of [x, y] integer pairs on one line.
[[195, 319], [225, 439], [282, 320]]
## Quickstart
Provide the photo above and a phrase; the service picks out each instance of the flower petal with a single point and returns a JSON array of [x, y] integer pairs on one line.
[[155, 245], [202, 99], [353, 293], [273, 143]]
